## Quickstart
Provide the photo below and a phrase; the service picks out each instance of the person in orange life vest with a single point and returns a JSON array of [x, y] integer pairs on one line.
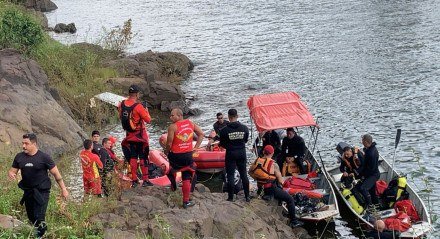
[[135, 144], [179, 149], [34, 166], [90, 163], [271, 189], [350, 163]]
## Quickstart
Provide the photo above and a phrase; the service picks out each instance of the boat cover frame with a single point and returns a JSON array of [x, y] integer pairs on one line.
[[279, 111]]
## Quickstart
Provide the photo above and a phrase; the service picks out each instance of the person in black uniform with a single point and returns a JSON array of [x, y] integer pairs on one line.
[[269, 137], [233, 138], [35, 182], [370, 170], [293, 146]]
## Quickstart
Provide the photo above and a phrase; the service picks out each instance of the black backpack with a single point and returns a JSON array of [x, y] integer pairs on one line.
[[127, 117]]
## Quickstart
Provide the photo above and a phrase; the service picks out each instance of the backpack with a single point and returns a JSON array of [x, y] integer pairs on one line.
[[390, 194], [299, 183], [127, 117], [400, 222], [407, 207]]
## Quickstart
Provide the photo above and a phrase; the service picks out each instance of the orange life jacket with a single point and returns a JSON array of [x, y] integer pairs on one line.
[[263, 170], [183, 137]]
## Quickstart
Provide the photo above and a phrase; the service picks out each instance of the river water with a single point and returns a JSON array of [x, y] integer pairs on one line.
[[360, 66]]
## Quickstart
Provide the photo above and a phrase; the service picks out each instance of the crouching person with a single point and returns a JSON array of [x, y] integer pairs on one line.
[[267, 173]]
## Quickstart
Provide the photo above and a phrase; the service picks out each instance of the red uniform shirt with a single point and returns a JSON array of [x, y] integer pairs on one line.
[[183, 137], [90, 163]]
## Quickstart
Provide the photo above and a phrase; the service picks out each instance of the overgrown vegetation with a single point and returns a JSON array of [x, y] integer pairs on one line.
[[118, 38], [75, 72]]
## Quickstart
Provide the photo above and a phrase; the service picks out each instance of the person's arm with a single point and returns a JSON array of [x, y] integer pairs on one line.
[[98, 161], [246, 133], [12, 173], [278, 173], [170, 137], [143, 113], [199, 134], [57, 175], [283, 148]]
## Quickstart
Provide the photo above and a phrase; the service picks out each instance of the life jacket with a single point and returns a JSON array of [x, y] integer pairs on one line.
[[395, 191], [381, 185], [289, 169], [263, 170], [183, 137], [127, 117], [400, 222], [299, 183], [407, 207]]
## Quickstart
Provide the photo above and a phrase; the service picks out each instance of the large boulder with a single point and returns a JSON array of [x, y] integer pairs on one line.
[[157, 212], [28, 106], [40, 5]]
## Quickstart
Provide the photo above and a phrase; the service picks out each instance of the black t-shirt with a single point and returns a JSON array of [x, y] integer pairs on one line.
[[34, 168], [234, 136]]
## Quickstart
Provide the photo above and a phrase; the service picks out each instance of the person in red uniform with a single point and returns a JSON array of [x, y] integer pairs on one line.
[[90, 163], [135, 145], [179, 148]]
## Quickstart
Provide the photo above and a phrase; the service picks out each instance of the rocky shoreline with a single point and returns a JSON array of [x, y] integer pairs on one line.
[[158, 212]]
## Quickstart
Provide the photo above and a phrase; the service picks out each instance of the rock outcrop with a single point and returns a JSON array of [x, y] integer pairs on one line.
[[157, 212], [8, 222], [28, 106], [40, 5], [158, 75], [61, 28]]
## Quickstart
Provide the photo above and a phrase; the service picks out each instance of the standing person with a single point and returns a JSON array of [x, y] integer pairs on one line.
[[267, 173], [179, 148], [35, 182], [90, 163], [233, 138], [370, 171], [294, 146], [220, 123], [133, 116], [97, 146], [109, 158]]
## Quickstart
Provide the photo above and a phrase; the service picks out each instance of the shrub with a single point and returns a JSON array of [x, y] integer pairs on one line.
[[118, 38], [19, 30]]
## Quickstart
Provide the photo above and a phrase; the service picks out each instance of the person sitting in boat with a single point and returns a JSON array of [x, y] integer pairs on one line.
[[351, 159], [267, 173], [290, 168], [370, 171], [294, 146], [269, 137]]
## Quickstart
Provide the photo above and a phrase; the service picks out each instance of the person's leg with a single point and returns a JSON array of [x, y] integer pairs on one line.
[[241, 166], [364, 189], [29, 205], [230, 171], [133, 162], [143, 152], [40, 214], [282, 195]]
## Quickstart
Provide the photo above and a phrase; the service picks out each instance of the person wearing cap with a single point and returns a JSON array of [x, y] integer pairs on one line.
[[271, 187], [135, 146], [233, 138], [35, 182]]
